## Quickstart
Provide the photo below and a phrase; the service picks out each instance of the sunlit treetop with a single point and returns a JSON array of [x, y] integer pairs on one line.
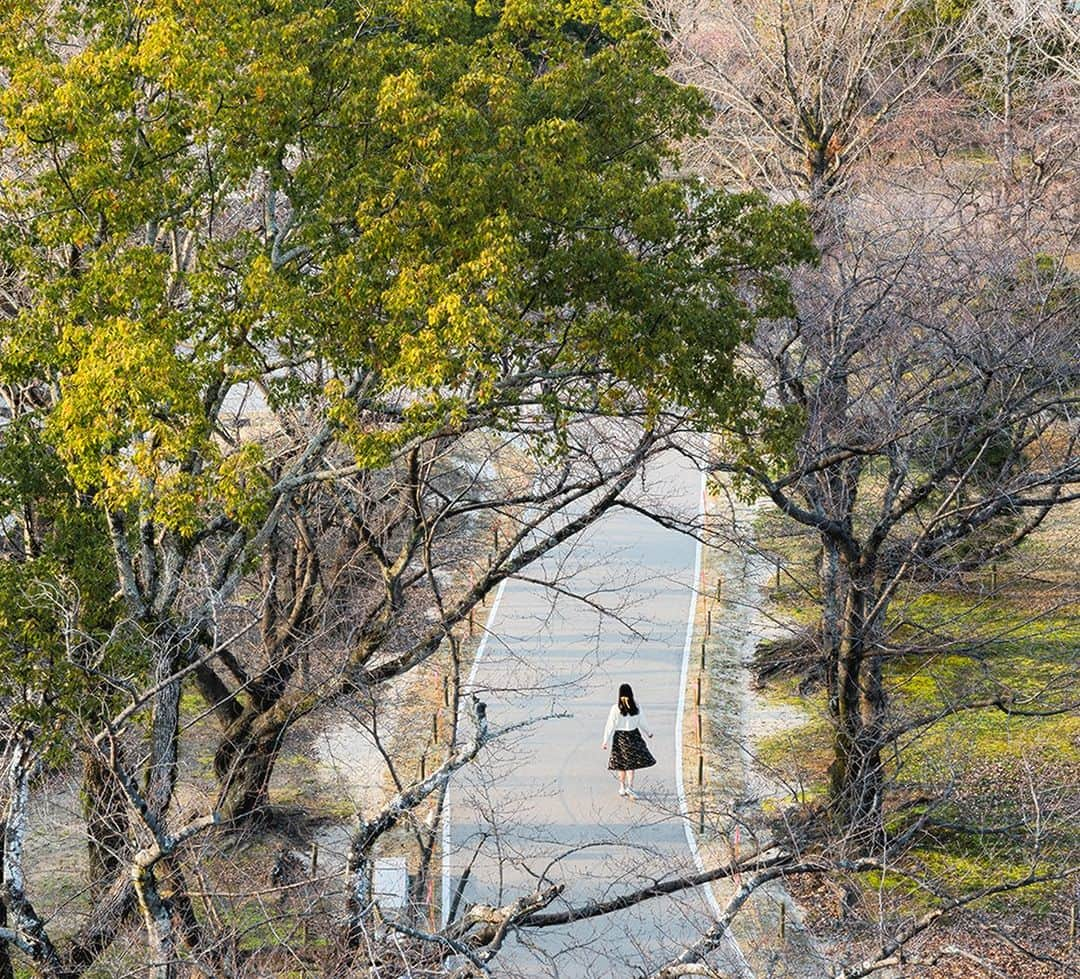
[[397, 213]]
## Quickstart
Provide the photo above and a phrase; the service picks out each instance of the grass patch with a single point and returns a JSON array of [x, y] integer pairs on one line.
[[981, 770]]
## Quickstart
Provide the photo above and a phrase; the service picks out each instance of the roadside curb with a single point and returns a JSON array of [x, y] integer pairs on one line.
[[721, 637]]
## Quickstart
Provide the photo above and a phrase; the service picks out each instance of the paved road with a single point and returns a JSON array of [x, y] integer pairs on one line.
[[548, 797]]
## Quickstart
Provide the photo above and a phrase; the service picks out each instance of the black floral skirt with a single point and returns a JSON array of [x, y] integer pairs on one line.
[[628, 751]]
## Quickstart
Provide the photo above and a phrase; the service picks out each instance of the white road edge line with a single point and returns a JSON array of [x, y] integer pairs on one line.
[[680, 788], [488, 622]]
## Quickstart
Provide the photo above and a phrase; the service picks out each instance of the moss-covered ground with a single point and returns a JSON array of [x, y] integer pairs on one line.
[[983, 795]]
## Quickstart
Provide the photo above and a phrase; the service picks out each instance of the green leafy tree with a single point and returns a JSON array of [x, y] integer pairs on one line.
[[250, 253]]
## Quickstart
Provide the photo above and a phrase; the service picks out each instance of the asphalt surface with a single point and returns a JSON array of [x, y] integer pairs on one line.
[[543, 806]]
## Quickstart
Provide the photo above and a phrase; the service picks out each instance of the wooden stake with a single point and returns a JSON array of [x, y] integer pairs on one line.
[[423, 767], [993, 577], [699, 727], [435, 727], [777, 574], [783, 918], [446, 691], [496, 538], [697, 697], [472, 624], [701, 818], [314, 859], [708, 622], [1072, 928], [703, 654], [719, 582], [700, 769]]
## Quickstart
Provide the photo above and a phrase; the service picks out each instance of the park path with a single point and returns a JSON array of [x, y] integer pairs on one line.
[[545, 804]]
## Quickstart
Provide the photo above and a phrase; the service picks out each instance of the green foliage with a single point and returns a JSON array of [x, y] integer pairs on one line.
[[447, 207], [460, 190]]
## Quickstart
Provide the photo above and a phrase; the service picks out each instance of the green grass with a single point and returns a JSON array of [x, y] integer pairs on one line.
[[800, 755], [1021, 642]]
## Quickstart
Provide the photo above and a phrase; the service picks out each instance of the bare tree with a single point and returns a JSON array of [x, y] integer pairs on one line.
[[937, 384], [802, 90]]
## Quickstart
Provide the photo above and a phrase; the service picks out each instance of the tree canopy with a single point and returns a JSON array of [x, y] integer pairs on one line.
[[248, 251]]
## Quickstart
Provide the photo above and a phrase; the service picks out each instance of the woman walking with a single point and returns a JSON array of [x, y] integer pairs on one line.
[[628, 749]]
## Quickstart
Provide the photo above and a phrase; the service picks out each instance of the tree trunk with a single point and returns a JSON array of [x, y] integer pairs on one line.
[[855, 776], [160, 936], [105, 810], [244, 763], [6, 971], [832, 603], [164, 731]]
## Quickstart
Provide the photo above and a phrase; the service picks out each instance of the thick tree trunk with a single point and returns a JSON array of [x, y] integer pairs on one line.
[[164, 731], [107, 825], [244, 763], [855, 776]]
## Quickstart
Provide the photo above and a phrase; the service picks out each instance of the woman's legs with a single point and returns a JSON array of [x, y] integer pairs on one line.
[[622, 783]]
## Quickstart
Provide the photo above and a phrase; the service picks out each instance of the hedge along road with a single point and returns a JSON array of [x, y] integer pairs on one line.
[[544, 805]]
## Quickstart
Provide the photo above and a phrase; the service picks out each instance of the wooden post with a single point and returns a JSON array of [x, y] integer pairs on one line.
[[719, 582], [314, 859], [783, 918], [993, 577], [703, 654], [699, 727], [697, 697], [700, 769], [472, 624], [701, 818], [446, 690], [423, 767], [778, 573], [496, 538], [435, 727], [708, 622]]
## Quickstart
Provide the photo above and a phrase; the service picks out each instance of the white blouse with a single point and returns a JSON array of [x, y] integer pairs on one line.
[[624, 722]]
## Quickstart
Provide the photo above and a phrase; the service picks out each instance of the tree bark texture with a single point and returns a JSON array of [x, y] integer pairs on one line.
[[855, 776]]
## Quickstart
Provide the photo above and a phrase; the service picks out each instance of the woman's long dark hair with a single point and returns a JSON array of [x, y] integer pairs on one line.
[[627, 704]]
